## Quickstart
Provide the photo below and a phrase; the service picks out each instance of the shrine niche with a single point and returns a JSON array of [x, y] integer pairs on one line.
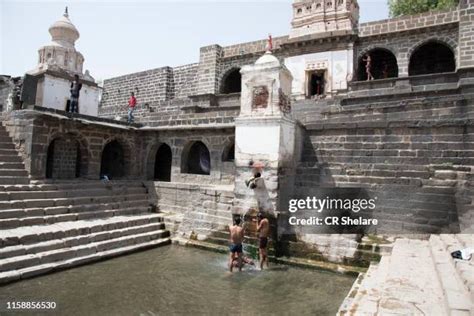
[[260, 97]]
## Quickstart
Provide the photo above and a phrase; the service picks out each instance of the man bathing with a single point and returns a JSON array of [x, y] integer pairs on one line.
[[263, 229], [236, 238]]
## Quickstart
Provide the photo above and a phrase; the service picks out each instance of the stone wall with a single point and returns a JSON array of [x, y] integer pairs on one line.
[[466, 34], [201, 210], [34, 131], [152, 89], [409, 22], [402, 45], [208, 70], [255, 47], [65, 158], [413, 153], [217, 142], [185, 81]]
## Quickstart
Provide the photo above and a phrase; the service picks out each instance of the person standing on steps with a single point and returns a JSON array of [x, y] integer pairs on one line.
[[76, 87], [132, 102], [236, 238], [263, 229]]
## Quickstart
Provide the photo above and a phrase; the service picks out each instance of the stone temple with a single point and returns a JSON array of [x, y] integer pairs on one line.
[[298, 110]]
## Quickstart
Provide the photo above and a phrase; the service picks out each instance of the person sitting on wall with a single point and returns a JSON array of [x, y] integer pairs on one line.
[[76, 87], [132, 102], [236, 238], [263, 229]]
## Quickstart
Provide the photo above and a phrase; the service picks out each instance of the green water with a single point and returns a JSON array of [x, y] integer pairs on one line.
[[175, 280]]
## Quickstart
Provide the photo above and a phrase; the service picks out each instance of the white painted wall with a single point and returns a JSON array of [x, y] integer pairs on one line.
[[55, 93], [255, 140], [339, 66]]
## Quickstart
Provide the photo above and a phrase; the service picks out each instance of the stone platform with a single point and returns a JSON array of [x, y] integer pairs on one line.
[[419, 277]]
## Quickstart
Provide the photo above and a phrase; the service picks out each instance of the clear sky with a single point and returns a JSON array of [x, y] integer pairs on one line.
[[120, 37]]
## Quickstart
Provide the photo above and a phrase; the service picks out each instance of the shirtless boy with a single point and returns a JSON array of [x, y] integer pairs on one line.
[[236, 237], [263, 229]]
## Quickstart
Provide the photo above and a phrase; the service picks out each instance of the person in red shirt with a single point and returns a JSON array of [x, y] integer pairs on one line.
[[132, 102]]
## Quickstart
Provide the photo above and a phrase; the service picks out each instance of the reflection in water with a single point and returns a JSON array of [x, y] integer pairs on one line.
[[178, 280]]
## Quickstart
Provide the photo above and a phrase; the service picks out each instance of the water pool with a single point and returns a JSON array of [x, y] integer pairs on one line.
[[178, 280]]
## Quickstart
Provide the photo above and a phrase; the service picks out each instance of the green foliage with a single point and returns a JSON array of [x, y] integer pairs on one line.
[[405, 7]]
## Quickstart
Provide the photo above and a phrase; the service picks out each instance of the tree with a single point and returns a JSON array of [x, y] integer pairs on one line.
[[405, 7]]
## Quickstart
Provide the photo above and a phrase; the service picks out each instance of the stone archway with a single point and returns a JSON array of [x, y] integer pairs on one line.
[[432, 57], [163, 162], [384, 64], [112, 162], [231, 82], [228, 155], [64, 159], [196, 159]]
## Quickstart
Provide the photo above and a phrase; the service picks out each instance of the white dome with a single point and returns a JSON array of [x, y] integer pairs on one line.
[[64, 31], [267, 58]]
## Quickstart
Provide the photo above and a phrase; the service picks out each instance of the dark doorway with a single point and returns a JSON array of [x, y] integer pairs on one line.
[[198, 160], [113, 163], [229, 153], [430, 58], [316, 84], [163, 162], [232, 82], [50, 161], [384, 65]]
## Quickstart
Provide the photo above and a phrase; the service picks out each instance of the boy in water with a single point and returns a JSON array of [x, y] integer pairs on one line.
[[236, 238], [263, 229]]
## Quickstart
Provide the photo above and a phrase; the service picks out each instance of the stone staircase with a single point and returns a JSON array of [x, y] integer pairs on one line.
[[47, 226], [456, 276], [418, 277], [12, 169]]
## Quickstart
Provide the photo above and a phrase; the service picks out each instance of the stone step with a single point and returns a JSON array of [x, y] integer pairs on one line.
[[6, 139], [39, 233], [35, 203], [76, 185], [403, 283], [22, 173], [51, 219], [10, 158], [28, 260], [56, 194], [11, 165], [464, 269], [57, 210], [80, 184], [457, 296], [8, 152], [14, 180], [20, 250], [81, 258], [7, 144]]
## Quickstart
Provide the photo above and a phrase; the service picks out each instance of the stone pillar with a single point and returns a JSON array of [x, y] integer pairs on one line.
[[264, 139], [208, 70], [466, 34]]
